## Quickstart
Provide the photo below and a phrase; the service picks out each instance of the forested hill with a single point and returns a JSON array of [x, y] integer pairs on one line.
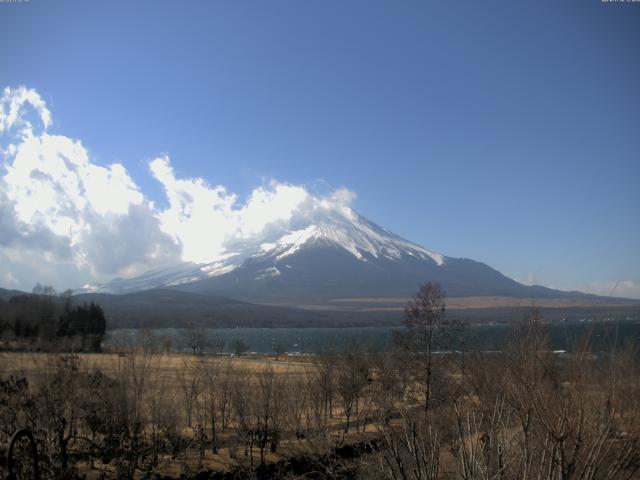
[[46, 321], [173, 308]]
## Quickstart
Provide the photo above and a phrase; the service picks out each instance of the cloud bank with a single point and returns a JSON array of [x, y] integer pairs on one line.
[[67, 221], [616, 288], [609, 288]]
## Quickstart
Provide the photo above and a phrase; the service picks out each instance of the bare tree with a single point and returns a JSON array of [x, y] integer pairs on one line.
[[190, 383], [422, 319], [239, 346], [57, 412], [243, 413], [216, 381], [541, 415], [196, 338], [352, 378], [269, 408], [325, 379], [217, 344], [410, 450], [279, 349]]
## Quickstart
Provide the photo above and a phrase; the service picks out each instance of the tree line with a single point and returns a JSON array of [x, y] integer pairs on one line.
[[46, 320]]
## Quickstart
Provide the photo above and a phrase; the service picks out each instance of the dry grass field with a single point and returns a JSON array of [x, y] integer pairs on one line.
[[522, 413], [397, 304], [26, 363], [178, 383]]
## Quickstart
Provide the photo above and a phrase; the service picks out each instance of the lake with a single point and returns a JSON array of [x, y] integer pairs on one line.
[[314, 340]]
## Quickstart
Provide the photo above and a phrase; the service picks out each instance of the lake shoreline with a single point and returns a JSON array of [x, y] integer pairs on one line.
[[313, 340]]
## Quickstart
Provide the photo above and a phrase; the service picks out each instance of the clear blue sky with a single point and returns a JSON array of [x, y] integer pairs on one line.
[[504, 131]]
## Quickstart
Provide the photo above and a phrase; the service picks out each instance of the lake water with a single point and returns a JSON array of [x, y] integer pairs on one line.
[[314, 340]]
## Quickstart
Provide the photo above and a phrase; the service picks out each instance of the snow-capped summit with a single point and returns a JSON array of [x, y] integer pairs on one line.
[[353, 233]]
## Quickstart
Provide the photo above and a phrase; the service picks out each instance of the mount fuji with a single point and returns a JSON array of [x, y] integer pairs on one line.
[[334, 256]]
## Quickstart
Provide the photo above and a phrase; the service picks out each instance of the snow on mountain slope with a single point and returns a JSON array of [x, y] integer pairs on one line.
[[355, 234], [333, 254], [342, 228], [167, 276], [323, 259]]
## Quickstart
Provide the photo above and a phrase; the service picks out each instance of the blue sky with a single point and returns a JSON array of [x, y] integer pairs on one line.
[[503, 131]]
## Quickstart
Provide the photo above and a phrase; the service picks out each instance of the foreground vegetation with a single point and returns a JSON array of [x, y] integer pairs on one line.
[[406, 413]]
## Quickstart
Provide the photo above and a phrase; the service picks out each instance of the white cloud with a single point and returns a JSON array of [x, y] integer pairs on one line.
[[51, 181], [14, 111], [615, 288], [56, 206], [8, 279], [268, 205], [532, 278], [208, 222], [198, 216], [66, 221]]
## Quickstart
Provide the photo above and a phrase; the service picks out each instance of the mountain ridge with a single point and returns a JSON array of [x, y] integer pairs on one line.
[[334, 253]]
